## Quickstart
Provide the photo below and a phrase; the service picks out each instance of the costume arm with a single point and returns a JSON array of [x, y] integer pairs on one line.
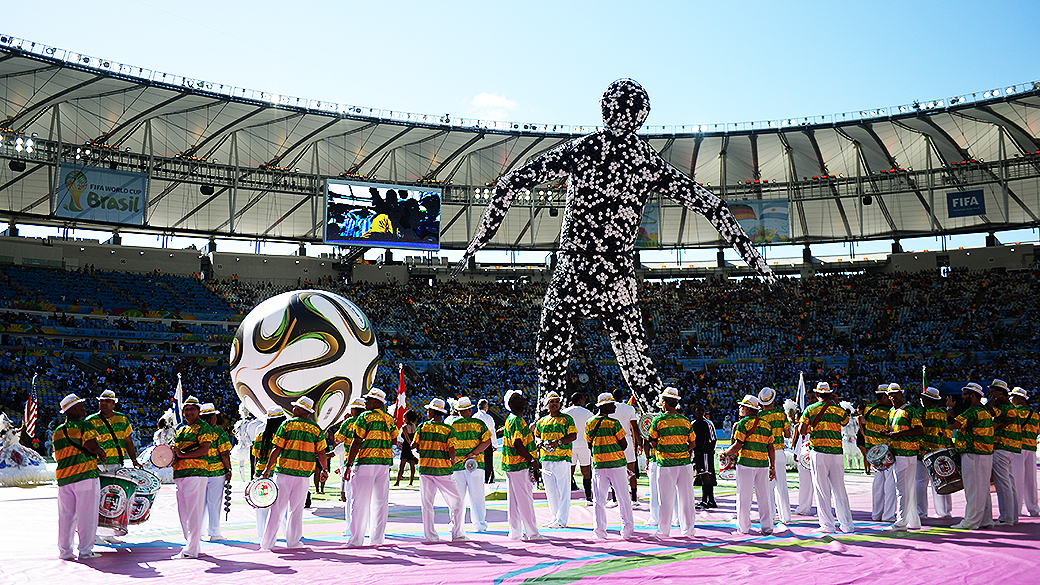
[[680, 188]]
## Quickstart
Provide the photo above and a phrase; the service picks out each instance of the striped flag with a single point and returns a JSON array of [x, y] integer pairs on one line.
[[29, 421], [401, 406]]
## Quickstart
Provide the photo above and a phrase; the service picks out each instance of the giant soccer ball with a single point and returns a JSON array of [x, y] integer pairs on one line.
[[304, 343]]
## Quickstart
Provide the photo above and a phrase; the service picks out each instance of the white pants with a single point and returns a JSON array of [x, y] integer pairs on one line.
[[654, 477], [675, 483], [1025, 482], [805, 491], [78, 505], [520, 505], [214, 500], [348, 501], [191, 499], [906, 492], [429, 485], [883, 495], [603, 479], [978, 506], [472, 483], [828, 473], [556, 477], [371, 505], [581, 454], [943, 502], [1004, 482], [292, 495], [781, 498], [261, 520], [757, 479]]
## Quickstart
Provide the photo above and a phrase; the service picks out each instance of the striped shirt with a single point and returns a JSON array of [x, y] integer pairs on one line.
[[434, 439], [755, 436], [1008, 438], [976, 433], [937, 434], [875, 420], [778, 422], [904, 418], [1030, 422], [216, 448], [376, 431], [345, 433], [825, 436], [259, 456], [551, 428], [73, 464], [469, 432], [515, 429], [112, 444], [674, 435], [300, 441], [604, 435], [189, 438]]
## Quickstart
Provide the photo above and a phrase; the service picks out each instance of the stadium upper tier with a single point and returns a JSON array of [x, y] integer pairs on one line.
[[228, 161]]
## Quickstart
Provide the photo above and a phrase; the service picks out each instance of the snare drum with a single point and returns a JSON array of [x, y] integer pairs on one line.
[[945, 472], [470, 464], [161, 456], [261, 492], [148, 485], [728, 468], [804, 457], [880, 457], [117, 492]]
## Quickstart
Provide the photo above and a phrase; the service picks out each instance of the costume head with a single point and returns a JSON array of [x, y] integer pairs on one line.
[[625, 106]]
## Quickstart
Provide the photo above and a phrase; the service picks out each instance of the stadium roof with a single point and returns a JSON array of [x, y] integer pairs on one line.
[[233, 162]]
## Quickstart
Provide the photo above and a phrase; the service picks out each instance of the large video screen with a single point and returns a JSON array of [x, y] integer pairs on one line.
[[391, 216]]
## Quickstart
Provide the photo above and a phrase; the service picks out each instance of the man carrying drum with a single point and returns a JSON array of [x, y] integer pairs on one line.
[[76, 452], [822, 421], [260, 454], [974, 442], [936, 436], [883, 490], [113, 429], [299, 445], [190, 469], [904, 426]]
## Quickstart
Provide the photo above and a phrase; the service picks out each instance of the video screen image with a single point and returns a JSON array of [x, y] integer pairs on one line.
[[393, 216]]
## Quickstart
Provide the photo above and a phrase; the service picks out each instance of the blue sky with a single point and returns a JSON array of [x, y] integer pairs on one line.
[[548, 62]]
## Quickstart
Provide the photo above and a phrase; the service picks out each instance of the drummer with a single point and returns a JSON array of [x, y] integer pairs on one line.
[[904, 427], [113, 429], [189, 474], [936, 436], [345, 436], [260, 454], [218, 473], [974, 442], [76, 452], [822, 421], [883, 489]]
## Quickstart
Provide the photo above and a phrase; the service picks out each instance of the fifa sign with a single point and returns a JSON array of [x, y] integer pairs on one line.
[[966, 203], [97, 194]]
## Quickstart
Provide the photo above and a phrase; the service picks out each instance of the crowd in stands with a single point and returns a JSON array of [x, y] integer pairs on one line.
[[714, 339]]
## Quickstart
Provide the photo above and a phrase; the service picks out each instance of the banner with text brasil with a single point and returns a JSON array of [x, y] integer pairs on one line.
[[97, 194]]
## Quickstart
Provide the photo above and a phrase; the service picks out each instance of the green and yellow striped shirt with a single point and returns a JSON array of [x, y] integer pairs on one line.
[[469, 432], [875, 420], [778, 422], [902, 419], [674, 436], [73, 464], [604, 435], [825, 436], [1008, 438], [216, 448], [515, 429], [755, 436], [937, 434], [345, 432], [376, 431], [434, 440], [112, 444], [551, 428], [260, 457], [189, 438], [300, 441], [1029, 420], [976, 433]]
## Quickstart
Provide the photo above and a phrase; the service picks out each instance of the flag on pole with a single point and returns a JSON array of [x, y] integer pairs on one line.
[[29, 420], [801, 391], [924, 377], [401, 405], [178, 402]]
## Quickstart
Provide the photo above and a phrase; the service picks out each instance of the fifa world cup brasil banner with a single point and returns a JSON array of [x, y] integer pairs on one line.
[[766, 221], [96, 194]]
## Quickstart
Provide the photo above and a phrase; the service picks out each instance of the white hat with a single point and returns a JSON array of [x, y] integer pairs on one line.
[[974, 387], [357, 402], [604, 398], [70, 401], [275, 412], [306, 403], [551, 396], [751, 401], [881, 389], [208, 408], [463, 403], [823, 388], [1001, 384], [670, 392], [108, 395], [191, 401], [509, 394], [931, 392], [766, 396], [377, 394], [438, 405], [1019, 391], [893, 388]]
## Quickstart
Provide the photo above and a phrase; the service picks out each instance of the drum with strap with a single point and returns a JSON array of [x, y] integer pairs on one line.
[[261, 492], [880, 457], [117, 493], [804, 457], [727, 467], [645, 421], [161, 456], [148, 486], [942, 465]]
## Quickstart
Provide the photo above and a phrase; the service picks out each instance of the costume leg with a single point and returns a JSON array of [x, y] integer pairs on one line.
[[348, 500], [297, 488], [67, 520], [618, 479], [1004, 483], [654, 475], [600, 485], [625, 327], [450, 492], [557, 478], [554, 346], [921, 479], [214, 499], [822, 488], [805, 491]]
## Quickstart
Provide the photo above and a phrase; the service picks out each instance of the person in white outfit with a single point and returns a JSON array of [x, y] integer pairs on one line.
[[472, 441], [606, 438], [581, 456], [974, 443], [1007, 444], [874, 423], [936, 436], [673, 441], [626, 414]]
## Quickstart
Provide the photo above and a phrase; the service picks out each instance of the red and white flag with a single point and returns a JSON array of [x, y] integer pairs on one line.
[[401, 406], [29, 420]]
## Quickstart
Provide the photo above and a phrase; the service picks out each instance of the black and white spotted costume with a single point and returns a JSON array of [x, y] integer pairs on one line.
[[611, 173]]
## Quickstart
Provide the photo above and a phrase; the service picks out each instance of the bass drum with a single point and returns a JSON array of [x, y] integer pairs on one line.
[[261, 492]]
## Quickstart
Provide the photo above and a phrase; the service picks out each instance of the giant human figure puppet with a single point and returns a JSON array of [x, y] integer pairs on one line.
[[612, 172]]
